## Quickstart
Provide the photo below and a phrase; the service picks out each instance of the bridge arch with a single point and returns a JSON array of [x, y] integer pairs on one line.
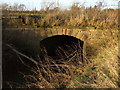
[[76, 33]]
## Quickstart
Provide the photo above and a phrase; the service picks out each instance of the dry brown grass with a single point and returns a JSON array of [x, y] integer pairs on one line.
[[49, 73], [101, 72]]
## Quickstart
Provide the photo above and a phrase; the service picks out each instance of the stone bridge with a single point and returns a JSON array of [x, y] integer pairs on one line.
[[83, 35], [80, 34]]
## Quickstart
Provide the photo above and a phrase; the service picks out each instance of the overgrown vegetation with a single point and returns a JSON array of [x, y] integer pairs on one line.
[[21, 52], [100, 72], [76, 17]]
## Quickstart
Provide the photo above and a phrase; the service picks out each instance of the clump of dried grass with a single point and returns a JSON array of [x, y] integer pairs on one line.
[[50, 73], [107, 63], [101, 72]]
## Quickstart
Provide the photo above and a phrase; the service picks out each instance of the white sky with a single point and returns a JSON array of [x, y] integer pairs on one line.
[[30, 4]]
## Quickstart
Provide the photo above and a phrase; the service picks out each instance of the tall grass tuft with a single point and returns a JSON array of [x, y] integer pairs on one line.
[[71, 72]]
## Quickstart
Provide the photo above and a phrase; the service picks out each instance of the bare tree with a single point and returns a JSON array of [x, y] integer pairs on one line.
[[15, 7], [101, 4], [22, 7], [49, 5], [4, 6]]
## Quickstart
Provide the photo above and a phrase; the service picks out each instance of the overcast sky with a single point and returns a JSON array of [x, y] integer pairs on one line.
[[30, 4]]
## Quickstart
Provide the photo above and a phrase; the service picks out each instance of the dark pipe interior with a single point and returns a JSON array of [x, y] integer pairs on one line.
[[67, 43]]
